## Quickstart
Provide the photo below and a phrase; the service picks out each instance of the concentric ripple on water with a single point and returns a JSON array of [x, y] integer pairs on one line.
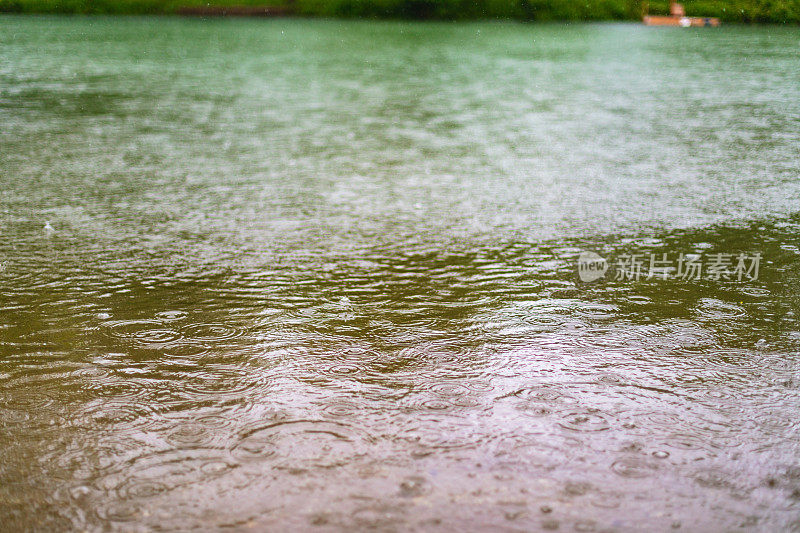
[[144, 332], [301, 444]]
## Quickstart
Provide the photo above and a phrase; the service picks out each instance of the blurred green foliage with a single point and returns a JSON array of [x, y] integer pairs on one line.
[[776, 11]]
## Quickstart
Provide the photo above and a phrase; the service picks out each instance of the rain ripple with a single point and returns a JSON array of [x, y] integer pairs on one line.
[[301, 444], [141, 332]]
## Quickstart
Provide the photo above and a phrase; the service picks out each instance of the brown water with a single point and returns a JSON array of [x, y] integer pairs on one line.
[[310, 275]]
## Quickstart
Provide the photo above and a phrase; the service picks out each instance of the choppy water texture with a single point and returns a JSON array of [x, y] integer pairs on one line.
[[321, 275]]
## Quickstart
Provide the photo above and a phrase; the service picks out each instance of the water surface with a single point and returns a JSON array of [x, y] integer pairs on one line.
[[321, 275]]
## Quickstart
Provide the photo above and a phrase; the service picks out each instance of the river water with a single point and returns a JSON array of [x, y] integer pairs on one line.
[[320, 275]]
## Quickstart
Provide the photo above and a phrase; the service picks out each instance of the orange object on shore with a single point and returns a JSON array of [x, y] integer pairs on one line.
[[677, 17], [680, 21]]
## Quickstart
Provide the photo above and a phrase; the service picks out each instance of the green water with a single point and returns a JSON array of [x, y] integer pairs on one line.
[[299, 275]]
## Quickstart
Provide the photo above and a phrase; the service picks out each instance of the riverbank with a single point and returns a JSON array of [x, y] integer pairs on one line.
[[771, 11]]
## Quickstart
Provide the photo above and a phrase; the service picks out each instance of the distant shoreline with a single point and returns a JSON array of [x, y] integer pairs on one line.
[[778, 11]]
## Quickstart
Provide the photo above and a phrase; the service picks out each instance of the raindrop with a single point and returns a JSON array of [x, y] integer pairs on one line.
[[183, 349], [439, 432], [159, 472], [189, 434], [211, 332], [598, 311], [713, 478], [414, 486], [342, 409], [143, 332], [535, 410], [589, 420], [344, 369], [757, 292], [300, 444], [716, 310], [115, 414], [436, 404], [222, 384], [119, 512], [83, 463], [633, 467], [171, 316]]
